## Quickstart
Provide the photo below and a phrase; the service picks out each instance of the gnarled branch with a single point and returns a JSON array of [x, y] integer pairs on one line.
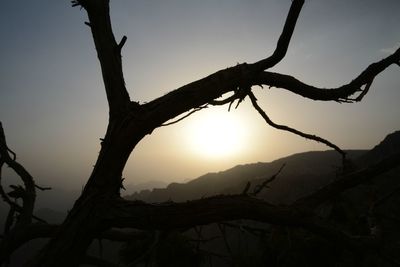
[[169, 216], [340, 94], [209, 89], [29, 192]]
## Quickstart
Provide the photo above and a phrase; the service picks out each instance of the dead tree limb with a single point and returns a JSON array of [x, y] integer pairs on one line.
[[100, 208], [292, 130], [348, 181], [258, 188], [225, 208], [28, 193]]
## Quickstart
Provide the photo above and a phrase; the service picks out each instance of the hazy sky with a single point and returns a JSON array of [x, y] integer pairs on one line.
[[53, 104]]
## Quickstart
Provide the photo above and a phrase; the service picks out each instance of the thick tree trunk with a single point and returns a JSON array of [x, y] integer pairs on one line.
[[85, 220]]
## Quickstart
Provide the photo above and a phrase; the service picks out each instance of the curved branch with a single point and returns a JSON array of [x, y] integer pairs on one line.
[[210, 88], [29, 192], [284, 39], [292, 130], [340, 94]]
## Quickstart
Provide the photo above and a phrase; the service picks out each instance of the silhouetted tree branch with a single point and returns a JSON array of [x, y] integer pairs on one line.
[[292, 130], [348, 181], [108, 52], [225, 208], [339, 94], [100, 208], [258, 188], [28, 193]]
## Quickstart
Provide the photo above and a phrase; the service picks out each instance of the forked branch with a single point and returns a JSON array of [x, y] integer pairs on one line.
[[109, 53]]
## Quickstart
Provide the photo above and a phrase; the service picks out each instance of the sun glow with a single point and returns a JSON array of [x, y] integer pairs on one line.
[[216, 134]]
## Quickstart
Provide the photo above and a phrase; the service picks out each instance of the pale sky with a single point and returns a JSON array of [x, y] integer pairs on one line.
[[53, 105]]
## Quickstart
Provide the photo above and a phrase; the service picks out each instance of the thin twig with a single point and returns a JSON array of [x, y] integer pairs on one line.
[[223, 101], [42, 188], [123, 41], [3, 194], [184, 117], [292, 130], [227, 100], [364, 92], [260, 187]]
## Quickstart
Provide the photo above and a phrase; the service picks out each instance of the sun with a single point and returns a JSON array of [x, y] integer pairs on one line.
[[215, 134]]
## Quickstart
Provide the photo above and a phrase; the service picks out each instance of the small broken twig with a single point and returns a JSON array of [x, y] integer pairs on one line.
[[260, 187], [121, 44], [184, 117]]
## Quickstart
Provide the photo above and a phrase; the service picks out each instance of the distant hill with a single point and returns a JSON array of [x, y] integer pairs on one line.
[[145, 186], [389, 146], [303, 173], [308, 170]]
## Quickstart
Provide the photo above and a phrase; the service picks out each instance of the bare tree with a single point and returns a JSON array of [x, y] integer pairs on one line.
[[100, 209]]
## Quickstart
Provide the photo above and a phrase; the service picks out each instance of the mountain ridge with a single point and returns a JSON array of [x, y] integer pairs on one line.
[[304, 172], [233, 180]]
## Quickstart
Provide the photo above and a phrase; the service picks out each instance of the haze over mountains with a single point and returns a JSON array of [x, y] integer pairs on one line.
[[307, 170], [303, 173]]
